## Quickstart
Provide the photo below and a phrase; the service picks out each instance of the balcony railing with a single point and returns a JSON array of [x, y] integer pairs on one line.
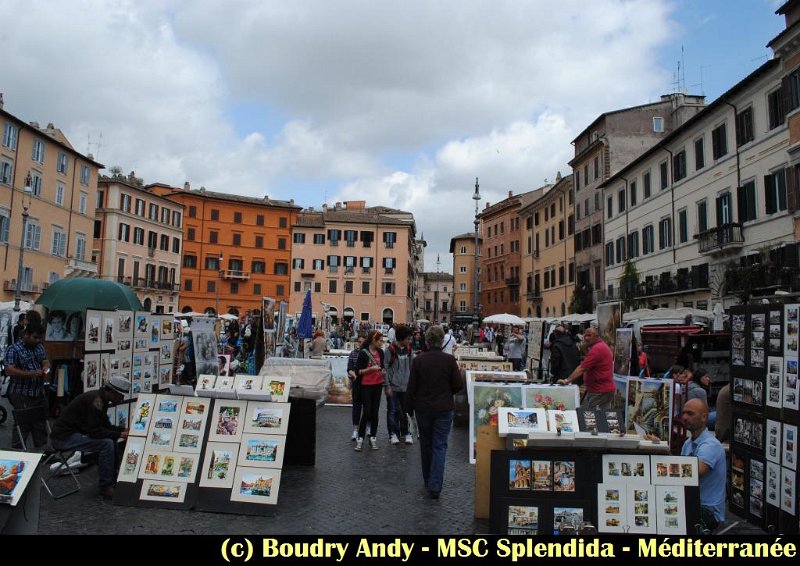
[[80, 265], [512, 281], [349, 269], [151, 284], [366, 269], [389, 244], [535, 295], [234, 274], [27, 286], [725, 237], [351, 243]]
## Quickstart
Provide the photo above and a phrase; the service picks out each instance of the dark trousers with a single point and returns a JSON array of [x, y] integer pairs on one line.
[[396, 419], [517, 364], [371, 404], [104, 447], [356, 413], [38, 429], [434, 428]]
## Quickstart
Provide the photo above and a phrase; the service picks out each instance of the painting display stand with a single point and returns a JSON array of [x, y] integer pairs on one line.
[[23, 518]]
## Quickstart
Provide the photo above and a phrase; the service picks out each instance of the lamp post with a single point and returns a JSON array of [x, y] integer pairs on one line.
[[27, 191], [219, 280], [475, 315]]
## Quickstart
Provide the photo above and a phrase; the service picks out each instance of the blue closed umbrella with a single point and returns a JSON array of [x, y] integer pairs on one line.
[[304, 326]]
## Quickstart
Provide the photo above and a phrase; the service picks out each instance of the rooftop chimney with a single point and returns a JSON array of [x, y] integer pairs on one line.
[[1, 100], [187, 186], [325, 207], [510, 194], [50, 126]]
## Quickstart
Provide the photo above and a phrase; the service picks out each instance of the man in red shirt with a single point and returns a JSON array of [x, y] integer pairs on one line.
[[597, 369]]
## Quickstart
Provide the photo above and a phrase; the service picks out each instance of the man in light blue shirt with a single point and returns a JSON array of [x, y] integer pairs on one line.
[[711, 460]]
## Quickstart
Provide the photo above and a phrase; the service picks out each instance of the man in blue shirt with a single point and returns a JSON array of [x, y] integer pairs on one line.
[[711, 460]]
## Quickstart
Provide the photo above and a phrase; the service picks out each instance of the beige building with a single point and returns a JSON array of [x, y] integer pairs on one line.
[[138, 241], [437, 297], [548, 262], [463, 249], [60, 206], [359, 262]]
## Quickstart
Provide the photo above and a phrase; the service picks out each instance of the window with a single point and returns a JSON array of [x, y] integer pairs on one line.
[[187, 285], [746, 201], [702, 216], [190, 234], [260, 220], [60, 193], [586, 174], [281, 268], [389, 263], [283, 222], [164, 243], [259, 241], [719, 141], [297, 286], [586, 206], [597, 235], [646, 183], [609, 261], [664, 170], [58, 243], [366, 263], [679, 165], [152, 240], [724, 212], [744, 127], [192, 212], [6, 171], [298, 263], [281, 243], [33, 235], [332, 286], [621, 244], [82, 200], [665, 233], [348, 287], [683, 226], [237, 217], [390, 238], [560, 234], [152, 213], [211, 286], [319, 264], [212, 237], [462, 287], [621, 201], [164, 215], [139, 207], [258, 266], [334, 236], [280, 289], [237, 239], [648, 240], [578, 212], [61, 163], [176, 219], [125, 202], [388, 287], [214, 214], [10, 135], [38, 151], [462, 269], [124, 233], [633, 245], [776, 113], [610, 207], [462, 306], [234, 287], [176, 246], [658, 124], [212, 263], [634, 196], [319, 238], [596, 167], [365, 287], [299, 238], [775, 191], [36, 183], [85, 177], [317, 287], [5, 224]]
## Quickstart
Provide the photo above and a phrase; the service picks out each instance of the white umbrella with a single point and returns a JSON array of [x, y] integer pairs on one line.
[[229, 317], [423, 321], [190, 314], [504, 318]]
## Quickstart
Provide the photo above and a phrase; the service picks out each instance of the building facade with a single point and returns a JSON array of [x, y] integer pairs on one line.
[[548, 263], [236, 249], [464, 278], [715, 217], [60, 206], [500, 264], [437, 297], [138, 240], [609, 143], [357, 261]]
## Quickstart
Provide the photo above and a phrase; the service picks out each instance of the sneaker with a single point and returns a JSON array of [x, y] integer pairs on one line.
[[373, 442], [409, 439], [354, 436], [359, 444], [106, 492], [393, 439]]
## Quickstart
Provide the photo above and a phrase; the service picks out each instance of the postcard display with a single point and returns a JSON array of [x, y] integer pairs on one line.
[[219, 455], [550, 492], [764, 394]]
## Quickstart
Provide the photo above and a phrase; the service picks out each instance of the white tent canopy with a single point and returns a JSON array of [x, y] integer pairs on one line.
[[504, 318], [9, 306]]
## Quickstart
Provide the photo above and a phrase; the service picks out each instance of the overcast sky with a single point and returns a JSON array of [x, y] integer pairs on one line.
[[400, 104]]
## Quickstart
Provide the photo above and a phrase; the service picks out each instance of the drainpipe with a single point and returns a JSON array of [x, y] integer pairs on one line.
[[627, 227]]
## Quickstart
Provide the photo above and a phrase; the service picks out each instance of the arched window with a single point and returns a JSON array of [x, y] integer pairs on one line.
[[186, 309], [148, 304], [387, 316]]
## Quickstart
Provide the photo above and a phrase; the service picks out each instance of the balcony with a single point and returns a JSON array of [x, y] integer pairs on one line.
[[235, 275], [512, 281], [333, 268], [151, 251], [26, 287], [536, 253], [728, 237], [349, 270], [153, 285], [123, 280], [366, 270], [334, 243], [535, 295], [389, 244], [351, 243], [80, 268], [389, 270]]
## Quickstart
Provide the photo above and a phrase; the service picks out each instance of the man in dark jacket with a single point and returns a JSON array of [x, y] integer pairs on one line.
[[564, 355], [84, 425], [434, 380]]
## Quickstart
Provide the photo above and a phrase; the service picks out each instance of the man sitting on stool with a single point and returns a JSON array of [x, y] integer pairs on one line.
[[84, 426], [711, 463]]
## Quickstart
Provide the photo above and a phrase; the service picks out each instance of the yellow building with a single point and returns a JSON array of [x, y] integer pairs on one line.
[[60, 206], [464, 264], [548, 261]]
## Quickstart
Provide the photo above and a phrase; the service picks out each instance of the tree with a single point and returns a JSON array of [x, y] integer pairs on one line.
[[581, 301], [629, 285]]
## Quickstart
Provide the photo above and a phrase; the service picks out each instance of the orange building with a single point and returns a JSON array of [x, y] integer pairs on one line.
[[236, 249]]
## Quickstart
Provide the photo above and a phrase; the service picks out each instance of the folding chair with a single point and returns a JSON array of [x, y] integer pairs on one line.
[[24, 417]]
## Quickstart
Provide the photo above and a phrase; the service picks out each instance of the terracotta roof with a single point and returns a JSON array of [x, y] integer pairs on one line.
[[204, 193], [320, 219], [436, 276]]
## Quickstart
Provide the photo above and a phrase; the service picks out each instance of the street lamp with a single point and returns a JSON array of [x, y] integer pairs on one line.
[[219, 280], [27, 191], [476, 197]]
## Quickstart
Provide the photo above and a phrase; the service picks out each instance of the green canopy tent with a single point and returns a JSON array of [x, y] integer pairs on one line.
[[81, 293]]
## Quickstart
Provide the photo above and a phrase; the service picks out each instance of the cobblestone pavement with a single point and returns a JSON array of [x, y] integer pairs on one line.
[[372, 492]]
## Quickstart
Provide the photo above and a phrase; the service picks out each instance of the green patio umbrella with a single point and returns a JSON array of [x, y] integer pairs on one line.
[[81, 293]]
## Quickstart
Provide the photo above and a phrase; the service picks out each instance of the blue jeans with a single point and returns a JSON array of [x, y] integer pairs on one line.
[[434, 428], [396, 420], [105, 448]]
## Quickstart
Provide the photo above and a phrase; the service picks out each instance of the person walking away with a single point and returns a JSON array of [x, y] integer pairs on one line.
[[711, 462], [355, 385], [500, 343], [318, 345], [28, 367], [19, 328], [597, 369], [370, 368], [449, 344], [434, 380], [83, 425], [564, 355], [398, 371], [516, 349]]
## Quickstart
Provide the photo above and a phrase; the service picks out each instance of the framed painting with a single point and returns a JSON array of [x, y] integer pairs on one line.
[[16, 471], [205, 382], [164, 491], [487, 399], [564, 475], [641, 509], [124, 326], [521, 421], [131, 460], [167, 328], [564, 421], [227, 419], [612, 507], [162, 432], [649, 407], [186, 466], [191, 426], [91, 372], [492, 377], [94, 322], [262, 451], [774, 446], [558, 397], [219, 464], [169, 404], [791, 387], [249, 382], [774, 396], [609, 319], [123, 416], [165, 353], [108, 340], [567, 519], [623, 350], [158, 464], [674, 470], [141, 324], [791, 332], [264, 417], [670, 510], [278, 387], [145, 408], [165, 375], [788, 494], [773, 487], [620, 468], [790, 446], [256, 485], [520, 477]]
